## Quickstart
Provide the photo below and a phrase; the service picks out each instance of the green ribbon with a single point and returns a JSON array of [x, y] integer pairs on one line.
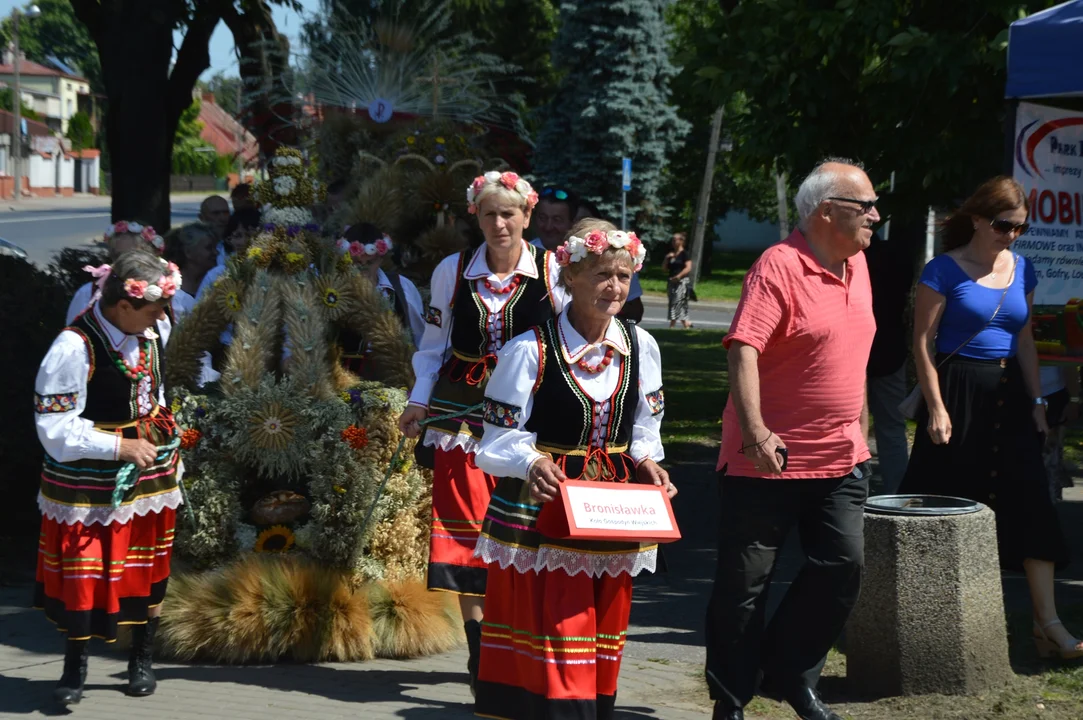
[[128, 475], [395, 458]]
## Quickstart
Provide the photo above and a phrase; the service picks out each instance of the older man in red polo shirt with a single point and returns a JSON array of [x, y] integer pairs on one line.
[[793, 449]]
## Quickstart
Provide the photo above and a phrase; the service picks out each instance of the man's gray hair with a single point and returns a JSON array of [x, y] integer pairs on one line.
[[821, 183]]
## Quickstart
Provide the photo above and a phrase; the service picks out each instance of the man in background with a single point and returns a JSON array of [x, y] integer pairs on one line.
[[215, 212], [891, 273], [241, 197], [554, 216]]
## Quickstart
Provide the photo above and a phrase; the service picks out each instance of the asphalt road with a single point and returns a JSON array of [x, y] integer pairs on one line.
[[42, 231], [43, 227], [704, 315]]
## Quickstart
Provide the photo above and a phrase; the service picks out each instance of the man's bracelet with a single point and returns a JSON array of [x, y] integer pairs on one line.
[[756, 444]]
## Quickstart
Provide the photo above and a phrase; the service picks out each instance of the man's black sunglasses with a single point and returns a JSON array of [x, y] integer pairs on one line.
[[1004, 227], [554, 193], [865, 205]]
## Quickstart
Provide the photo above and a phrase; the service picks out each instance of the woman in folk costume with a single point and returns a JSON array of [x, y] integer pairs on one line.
[[579, 397], [481, 298], [368, 247], [104, 552], [119, 238]]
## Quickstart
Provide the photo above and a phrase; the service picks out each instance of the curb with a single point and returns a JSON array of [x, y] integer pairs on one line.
[[659, 300]]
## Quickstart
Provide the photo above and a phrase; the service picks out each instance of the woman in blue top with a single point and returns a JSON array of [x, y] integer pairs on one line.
[[984, 413]]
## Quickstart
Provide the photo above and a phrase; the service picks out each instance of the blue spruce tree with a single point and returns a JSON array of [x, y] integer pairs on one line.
[[613, 102]]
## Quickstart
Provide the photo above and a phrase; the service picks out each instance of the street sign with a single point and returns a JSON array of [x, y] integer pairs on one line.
[[626, 175]]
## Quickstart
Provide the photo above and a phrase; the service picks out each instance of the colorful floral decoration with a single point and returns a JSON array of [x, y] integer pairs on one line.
[[597, 242], [146, 232], [275, 539], [190, 438], [282, 417], [355, 437], [508, 180]]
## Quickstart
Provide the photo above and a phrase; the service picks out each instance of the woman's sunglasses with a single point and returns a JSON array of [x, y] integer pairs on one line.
[[1004, 227]]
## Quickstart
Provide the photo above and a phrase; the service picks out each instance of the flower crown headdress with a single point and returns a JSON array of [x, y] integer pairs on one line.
[[358, 250], [597, 242], [509, 180], [144, 231], [165, 287]]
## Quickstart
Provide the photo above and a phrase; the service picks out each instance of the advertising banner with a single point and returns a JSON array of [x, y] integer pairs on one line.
[[1049, 165]]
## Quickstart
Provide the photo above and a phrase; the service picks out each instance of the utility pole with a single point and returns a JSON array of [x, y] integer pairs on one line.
[[17, 99], [783, 207], [703, 205], [240, 136], [16, 109]]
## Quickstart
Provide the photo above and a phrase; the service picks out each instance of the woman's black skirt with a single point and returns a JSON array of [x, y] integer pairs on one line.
[[994, 457]]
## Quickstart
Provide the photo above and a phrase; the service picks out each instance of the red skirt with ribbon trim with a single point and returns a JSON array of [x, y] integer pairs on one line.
[[551, 644], [92, 578], [460, 497]]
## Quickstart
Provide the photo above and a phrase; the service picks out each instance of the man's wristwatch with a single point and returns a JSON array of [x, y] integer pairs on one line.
[[1041, 401]]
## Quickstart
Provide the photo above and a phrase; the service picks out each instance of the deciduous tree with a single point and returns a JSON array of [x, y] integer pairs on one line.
[[149, 86]]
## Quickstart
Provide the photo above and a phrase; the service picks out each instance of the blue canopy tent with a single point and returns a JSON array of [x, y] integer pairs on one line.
[[1045, 63], [1045, 53]]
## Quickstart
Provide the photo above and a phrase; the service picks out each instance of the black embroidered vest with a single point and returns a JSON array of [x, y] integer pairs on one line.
[[111, 396], [529, 305], [563, 415]]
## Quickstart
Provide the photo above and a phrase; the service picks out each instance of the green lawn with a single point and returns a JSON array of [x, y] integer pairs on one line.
[[697, 382], [724, 282]]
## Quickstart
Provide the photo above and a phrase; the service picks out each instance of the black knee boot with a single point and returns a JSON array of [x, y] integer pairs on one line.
[[141, 680], [69, 690], [473, 644]]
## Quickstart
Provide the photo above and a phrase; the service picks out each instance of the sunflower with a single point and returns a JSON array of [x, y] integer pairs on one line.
[[275, 539], [332, 294], [229, 292], [272, 426]]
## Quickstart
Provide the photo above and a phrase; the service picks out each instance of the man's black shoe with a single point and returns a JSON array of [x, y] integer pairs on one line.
[[721, 712], [808, 706]]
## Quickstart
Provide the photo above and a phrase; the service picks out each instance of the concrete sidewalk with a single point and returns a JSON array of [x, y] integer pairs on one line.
[[83, 200], [661, 675]]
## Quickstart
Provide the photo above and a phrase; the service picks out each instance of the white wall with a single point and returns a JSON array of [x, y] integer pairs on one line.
[[41, 171], [737, 231], [67, 172], [95, 171]]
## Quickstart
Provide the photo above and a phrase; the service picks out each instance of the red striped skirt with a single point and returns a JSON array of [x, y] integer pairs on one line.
[[92, 578], [551, 644], [460, 497]]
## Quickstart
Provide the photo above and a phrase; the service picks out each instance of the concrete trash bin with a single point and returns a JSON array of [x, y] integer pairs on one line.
[[930, 618]]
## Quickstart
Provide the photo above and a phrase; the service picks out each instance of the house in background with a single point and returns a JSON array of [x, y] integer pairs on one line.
[[53, 94], [228, 136], [49, 166]]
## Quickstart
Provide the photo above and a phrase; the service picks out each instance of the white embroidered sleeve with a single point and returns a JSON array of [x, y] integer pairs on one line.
[[561, 298], [165, 329], [79, 302], [646, 433], [507, 449], [431, 351], [59, 401], [415, 310]]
